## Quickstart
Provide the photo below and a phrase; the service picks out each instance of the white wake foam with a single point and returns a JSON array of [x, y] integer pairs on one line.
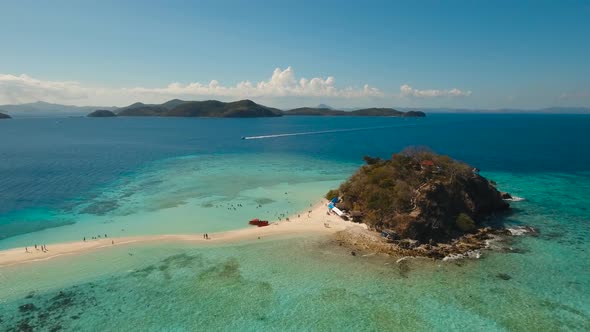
[[324, 132]]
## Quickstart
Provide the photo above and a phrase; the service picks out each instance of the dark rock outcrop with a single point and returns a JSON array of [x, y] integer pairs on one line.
[[101, 114], [414, 114], [440, 203], [4, 116]]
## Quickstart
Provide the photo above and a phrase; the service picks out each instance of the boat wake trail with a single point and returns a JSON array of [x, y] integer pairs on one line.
[[324, 132]]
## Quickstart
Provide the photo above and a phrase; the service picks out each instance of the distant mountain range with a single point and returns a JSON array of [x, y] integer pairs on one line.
[[41, 109], [208, 108], [324, 106], [237, 109], [546, 110], [244, 108]]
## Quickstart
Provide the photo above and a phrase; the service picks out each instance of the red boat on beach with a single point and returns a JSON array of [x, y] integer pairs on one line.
[[258, 222]]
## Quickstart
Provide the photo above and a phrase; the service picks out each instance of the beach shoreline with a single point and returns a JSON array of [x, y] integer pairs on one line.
[[305, 222]]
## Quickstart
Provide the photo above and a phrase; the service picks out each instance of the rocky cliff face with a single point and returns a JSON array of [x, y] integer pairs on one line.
[[439, 204]]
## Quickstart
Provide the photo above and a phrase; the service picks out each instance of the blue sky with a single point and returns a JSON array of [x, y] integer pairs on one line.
[[467, 54]]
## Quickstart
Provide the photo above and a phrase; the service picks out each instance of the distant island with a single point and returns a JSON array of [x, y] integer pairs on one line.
[[423, 203], [44, 109], [237, 109], [208, 108], [360, 112], [101, 114], [4, 116]]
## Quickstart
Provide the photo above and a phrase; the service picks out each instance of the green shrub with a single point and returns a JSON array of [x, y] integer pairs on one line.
[[371, 160], [465, 223], [332, 193]]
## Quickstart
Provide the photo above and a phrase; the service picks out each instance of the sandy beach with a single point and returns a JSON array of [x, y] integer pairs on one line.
[[317, 221]]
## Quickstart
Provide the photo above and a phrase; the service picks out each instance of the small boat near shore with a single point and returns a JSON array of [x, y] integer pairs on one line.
[[258, 222]]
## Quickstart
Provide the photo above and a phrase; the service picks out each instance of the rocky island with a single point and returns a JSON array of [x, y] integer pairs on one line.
[[4, 116], [420, 203], [207, 108], [238, 109], [360, 112], [102, 114]]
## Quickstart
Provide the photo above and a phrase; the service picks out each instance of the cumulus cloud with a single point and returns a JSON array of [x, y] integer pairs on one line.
[[281, 83], [408, 91], [23, 88]]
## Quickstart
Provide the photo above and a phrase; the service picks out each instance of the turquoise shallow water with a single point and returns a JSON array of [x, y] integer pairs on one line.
[[312, 284], [140, 176], [193, 194]]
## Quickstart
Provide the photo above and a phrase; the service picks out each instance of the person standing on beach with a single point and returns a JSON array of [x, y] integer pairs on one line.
[[27, 249]]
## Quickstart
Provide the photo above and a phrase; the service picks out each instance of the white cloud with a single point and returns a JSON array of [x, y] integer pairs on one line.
[[575, 95], [23, 88], [282, 83], [408, 91]]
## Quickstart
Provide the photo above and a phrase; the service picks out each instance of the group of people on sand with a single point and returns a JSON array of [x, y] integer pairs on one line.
[[43, 248], [98, 237], [206, 236], [95, 237], [284, 215]]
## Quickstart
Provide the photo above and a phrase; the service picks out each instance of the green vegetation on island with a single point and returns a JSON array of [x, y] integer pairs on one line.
[[208, 108], [361, 112], [102, 114], [240, 109], [419, 195]]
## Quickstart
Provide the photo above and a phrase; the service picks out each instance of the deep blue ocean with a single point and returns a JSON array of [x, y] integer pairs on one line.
[[47, 162], [64, 178]]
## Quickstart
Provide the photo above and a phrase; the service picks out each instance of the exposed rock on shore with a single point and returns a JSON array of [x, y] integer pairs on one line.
[[419, 203], [468, 246]]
